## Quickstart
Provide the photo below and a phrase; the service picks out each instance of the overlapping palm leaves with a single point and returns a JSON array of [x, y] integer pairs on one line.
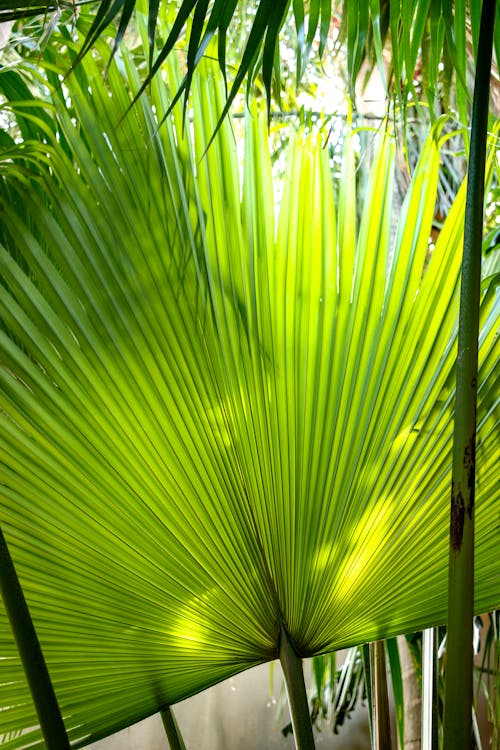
[[216, 420], [431, 36]]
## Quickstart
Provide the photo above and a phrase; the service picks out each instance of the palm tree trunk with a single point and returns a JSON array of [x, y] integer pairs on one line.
[[458, 691]]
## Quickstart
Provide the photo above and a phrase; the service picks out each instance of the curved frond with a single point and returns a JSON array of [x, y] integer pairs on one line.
[[423, 37], [218, 419]]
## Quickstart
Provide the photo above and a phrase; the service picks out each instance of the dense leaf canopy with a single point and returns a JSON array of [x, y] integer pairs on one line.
[[217, 419], [428, 40]]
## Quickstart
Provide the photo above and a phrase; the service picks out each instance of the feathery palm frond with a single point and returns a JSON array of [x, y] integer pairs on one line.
[[216, 422]]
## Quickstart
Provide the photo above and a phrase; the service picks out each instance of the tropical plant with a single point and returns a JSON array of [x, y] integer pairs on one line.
[[224, 433], [437, 38], [337, 691]]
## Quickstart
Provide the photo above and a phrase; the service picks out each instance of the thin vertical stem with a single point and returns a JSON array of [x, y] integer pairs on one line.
[[475, 731], [458, 689], [28, 645], [381, 737], [427, 686], [429, 690], [291, 664], [172, 730], [412, 698], [366, 656]]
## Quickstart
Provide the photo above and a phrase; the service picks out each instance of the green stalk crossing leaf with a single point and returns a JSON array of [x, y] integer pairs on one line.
[[44, 698], [458, 702]]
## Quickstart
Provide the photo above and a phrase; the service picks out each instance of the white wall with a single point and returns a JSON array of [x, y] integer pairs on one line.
[[240, 714]]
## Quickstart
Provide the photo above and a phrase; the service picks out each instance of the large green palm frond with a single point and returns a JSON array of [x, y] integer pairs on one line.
[[215, 420], [422, 37]]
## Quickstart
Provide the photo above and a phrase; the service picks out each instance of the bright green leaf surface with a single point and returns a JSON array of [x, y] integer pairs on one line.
[[215, 418], [435, 29]]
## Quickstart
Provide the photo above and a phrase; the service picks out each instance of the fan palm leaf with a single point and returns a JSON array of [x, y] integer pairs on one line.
[[219, 420]]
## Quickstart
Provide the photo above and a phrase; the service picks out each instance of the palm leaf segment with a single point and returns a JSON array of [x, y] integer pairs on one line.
[[419, 34], [216, 421]]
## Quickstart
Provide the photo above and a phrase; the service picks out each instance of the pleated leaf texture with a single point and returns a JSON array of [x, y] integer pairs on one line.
[[217, 418]]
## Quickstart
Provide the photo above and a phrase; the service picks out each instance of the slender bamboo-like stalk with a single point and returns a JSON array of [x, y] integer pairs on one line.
[[366, 656], [291, 664], [42, 691], [412, 698], [429, 690], [427, 687], [172, 730], [381, 736], [458, 688]]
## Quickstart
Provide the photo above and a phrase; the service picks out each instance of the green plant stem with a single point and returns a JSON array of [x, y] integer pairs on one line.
[[172, 730], [366, 656], [429, 690], [291, 664], [42, 691], [395, 669], [381, 735], [458, 686]]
